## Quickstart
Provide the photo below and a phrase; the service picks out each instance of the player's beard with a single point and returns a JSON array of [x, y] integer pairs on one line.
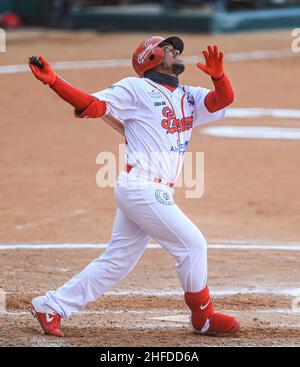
[[177, 68]]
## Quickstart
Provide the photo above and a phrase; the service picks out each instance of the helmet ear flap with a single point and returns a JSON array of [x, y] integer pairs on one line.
[[154, 58], [157, 55]]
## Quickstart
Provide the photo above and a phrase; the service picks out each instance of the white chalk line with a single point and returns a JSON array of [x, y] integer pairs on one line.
[[45, 221], [256, 132], [103, 312], [255, 112], [288, 292], [168, 320], [216, 293], [285, 311], [166, 293], [253, 241], [176, 314], [252, 132], [113, 63], [184, 318], [99, 246], [282, 247]]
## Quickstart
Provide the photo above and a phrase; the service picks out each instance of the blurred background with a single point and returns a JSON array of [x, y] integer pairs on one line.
[[165, 15], [48, 166]]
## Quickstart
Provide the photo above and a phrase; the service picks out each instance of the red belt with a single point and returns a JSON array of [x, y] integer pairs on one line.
[[128, 168]]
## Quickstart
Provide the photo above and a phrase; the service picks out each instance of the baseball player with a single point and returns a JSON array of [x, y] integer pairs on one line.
[[157, 116]]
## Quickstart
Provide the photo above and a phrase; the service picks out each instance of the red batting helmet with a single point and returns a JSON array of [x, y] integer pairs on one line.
[[148, 54]]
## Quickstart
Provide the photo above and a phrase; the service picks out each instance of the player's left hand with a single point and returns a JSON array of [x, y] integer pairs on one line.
[[214, 62]]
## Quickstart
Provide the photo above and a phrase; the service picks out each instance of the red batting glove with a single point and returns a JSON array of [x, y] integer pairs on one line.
[[46, 74], [214, 62]]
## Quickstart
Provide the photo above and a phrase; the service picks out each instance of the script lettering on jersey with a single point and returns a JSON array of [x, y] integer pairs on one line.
[[172, 124]]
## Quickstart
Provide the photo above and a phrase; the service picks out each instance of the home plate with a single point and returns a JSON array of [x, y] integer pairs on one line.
[[176, 318]]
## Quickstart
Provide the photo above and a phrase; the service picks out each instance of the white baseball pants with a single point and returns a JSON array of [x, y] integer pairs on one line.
[[145, 210]]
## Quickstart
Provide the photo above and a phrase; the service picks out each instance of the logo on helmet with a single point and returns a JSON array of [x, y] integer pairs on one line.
[[141, 57]]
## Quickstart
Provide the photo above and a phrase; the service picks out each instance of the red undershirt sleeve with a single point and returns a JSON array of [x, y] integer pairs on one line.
[[85, 105], [221, 97]]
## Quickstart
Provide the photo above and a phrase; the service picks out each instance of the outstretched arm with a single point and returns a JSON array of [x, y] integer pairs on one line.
[[223, 94], [79, 100], [85, 105]]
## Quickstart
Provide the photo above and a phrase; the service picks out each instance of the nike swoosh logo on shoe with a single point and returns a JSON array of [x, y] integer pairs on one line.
[[48, 318], [203, 307]]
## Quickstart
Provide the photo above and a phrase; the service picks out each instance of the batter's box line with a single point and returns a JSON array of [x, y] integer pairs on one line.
[[284, 292]]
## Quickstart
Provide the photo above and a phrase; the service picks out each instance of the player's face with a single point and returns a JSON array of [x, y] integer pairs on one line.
[[171, 64]]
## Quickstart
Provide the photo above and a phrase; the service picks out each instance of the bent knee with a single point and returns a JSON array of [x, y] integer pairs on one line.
[[197, 244], [193, 250]]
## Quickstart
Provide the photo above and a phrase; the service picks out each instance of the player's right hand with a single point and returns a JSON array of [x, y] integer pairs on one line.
[[45, 74]]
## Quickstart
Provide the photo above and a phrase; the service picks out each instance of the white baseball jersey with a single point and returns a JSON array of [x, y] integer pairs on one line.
[[158, 122]]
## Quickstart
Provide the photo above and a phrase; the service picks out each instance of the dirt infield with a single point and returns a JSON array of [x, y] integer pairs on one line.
[[49, 195]]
